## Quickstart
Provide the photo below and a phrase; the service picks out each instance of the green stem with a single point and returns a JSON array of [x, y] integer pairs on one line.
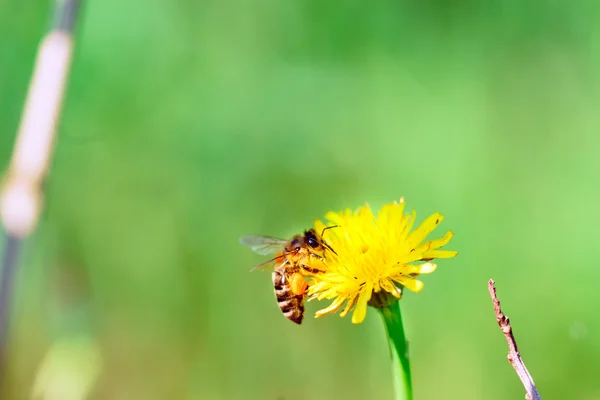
[[392, 319]]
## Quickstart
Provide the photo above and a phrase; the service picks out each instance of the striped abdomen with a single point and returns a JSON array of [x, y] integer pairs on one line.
[[291, 304]]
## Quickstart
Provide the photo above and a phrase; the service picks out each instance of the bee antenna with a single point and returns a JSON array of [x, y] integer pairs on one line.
[[328, 227], [329, 247], [325, 244]]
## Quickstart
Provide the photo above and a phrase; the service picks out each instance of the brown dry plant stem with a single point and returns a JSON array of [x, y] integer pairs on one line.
[[514, 357], [22, 187]]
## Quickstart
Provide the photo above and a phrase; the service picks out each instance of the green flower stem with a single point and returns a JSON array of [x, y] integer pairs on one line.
[[392, 319]]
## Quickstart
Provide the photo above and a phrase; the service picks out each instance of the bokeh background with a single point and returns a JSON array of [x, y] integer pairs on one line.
[[189, 124]]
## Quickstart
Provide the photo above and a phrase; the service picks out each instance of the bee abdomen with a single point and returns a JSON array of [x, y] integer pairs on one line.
[[291, 305], [295, 314], [292, 309]]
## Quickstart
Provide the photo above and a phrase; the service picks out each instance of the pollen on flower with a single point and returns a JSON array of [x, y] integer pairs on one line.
[[377, 257]]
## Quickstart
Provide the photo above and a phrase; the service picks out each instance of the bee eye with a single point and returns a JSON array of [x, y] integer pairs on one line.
[[313, 243]]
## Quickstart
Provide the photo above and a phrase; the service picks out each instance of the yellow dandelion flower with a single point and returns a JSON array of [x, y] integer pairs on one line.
[[375, 255]]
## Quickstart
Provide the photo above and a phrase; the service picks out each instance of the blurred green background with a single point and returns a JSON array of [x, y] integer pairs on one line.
[[189, 124]]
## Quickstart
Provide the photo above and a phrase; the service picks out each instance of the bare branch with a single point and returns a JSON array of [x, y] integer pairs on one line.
[[21, 194], [514, 357]]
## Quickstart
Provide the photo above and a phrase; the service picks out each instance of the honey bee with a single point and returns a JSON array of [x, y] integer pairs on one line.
[[290, 266]]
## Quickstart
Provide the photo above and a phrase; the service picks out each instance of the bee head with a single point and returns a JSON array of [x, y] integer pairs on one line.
[[297, 243]]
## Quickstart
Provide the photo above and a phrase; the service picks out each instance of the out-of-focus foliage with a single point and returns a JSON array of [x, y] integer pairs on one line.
[[188, 124]]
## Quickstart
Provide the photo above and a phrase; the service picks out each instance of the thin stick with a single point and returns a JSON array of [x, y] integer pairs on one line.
[[21, 198], [514, 357], [9, 265]]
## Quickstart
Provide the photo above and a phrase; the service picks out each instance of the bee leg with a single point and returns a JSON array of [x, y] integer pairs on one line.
[[309, 269]]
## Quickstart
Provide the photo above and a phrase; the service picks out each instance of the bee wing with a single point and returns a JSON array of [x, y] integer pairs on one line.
[[263, 245], [280, 259]]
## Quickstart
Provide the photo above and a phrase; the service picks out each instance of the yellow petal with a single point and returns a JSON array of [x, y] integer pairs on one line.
[[349, 306], [424, 250], [334, 218], [439, 254], [437, 243], [413, 256], [389, 287], [426, 268], [390, 212], [411, 284], [408, 224], [335, 306], [376, 287], [419, 234], [360, 312]]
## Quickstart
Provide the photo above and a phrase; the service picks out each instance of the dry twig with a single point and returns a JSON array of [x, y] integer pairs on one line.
[[514, 357], [21, 195]]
